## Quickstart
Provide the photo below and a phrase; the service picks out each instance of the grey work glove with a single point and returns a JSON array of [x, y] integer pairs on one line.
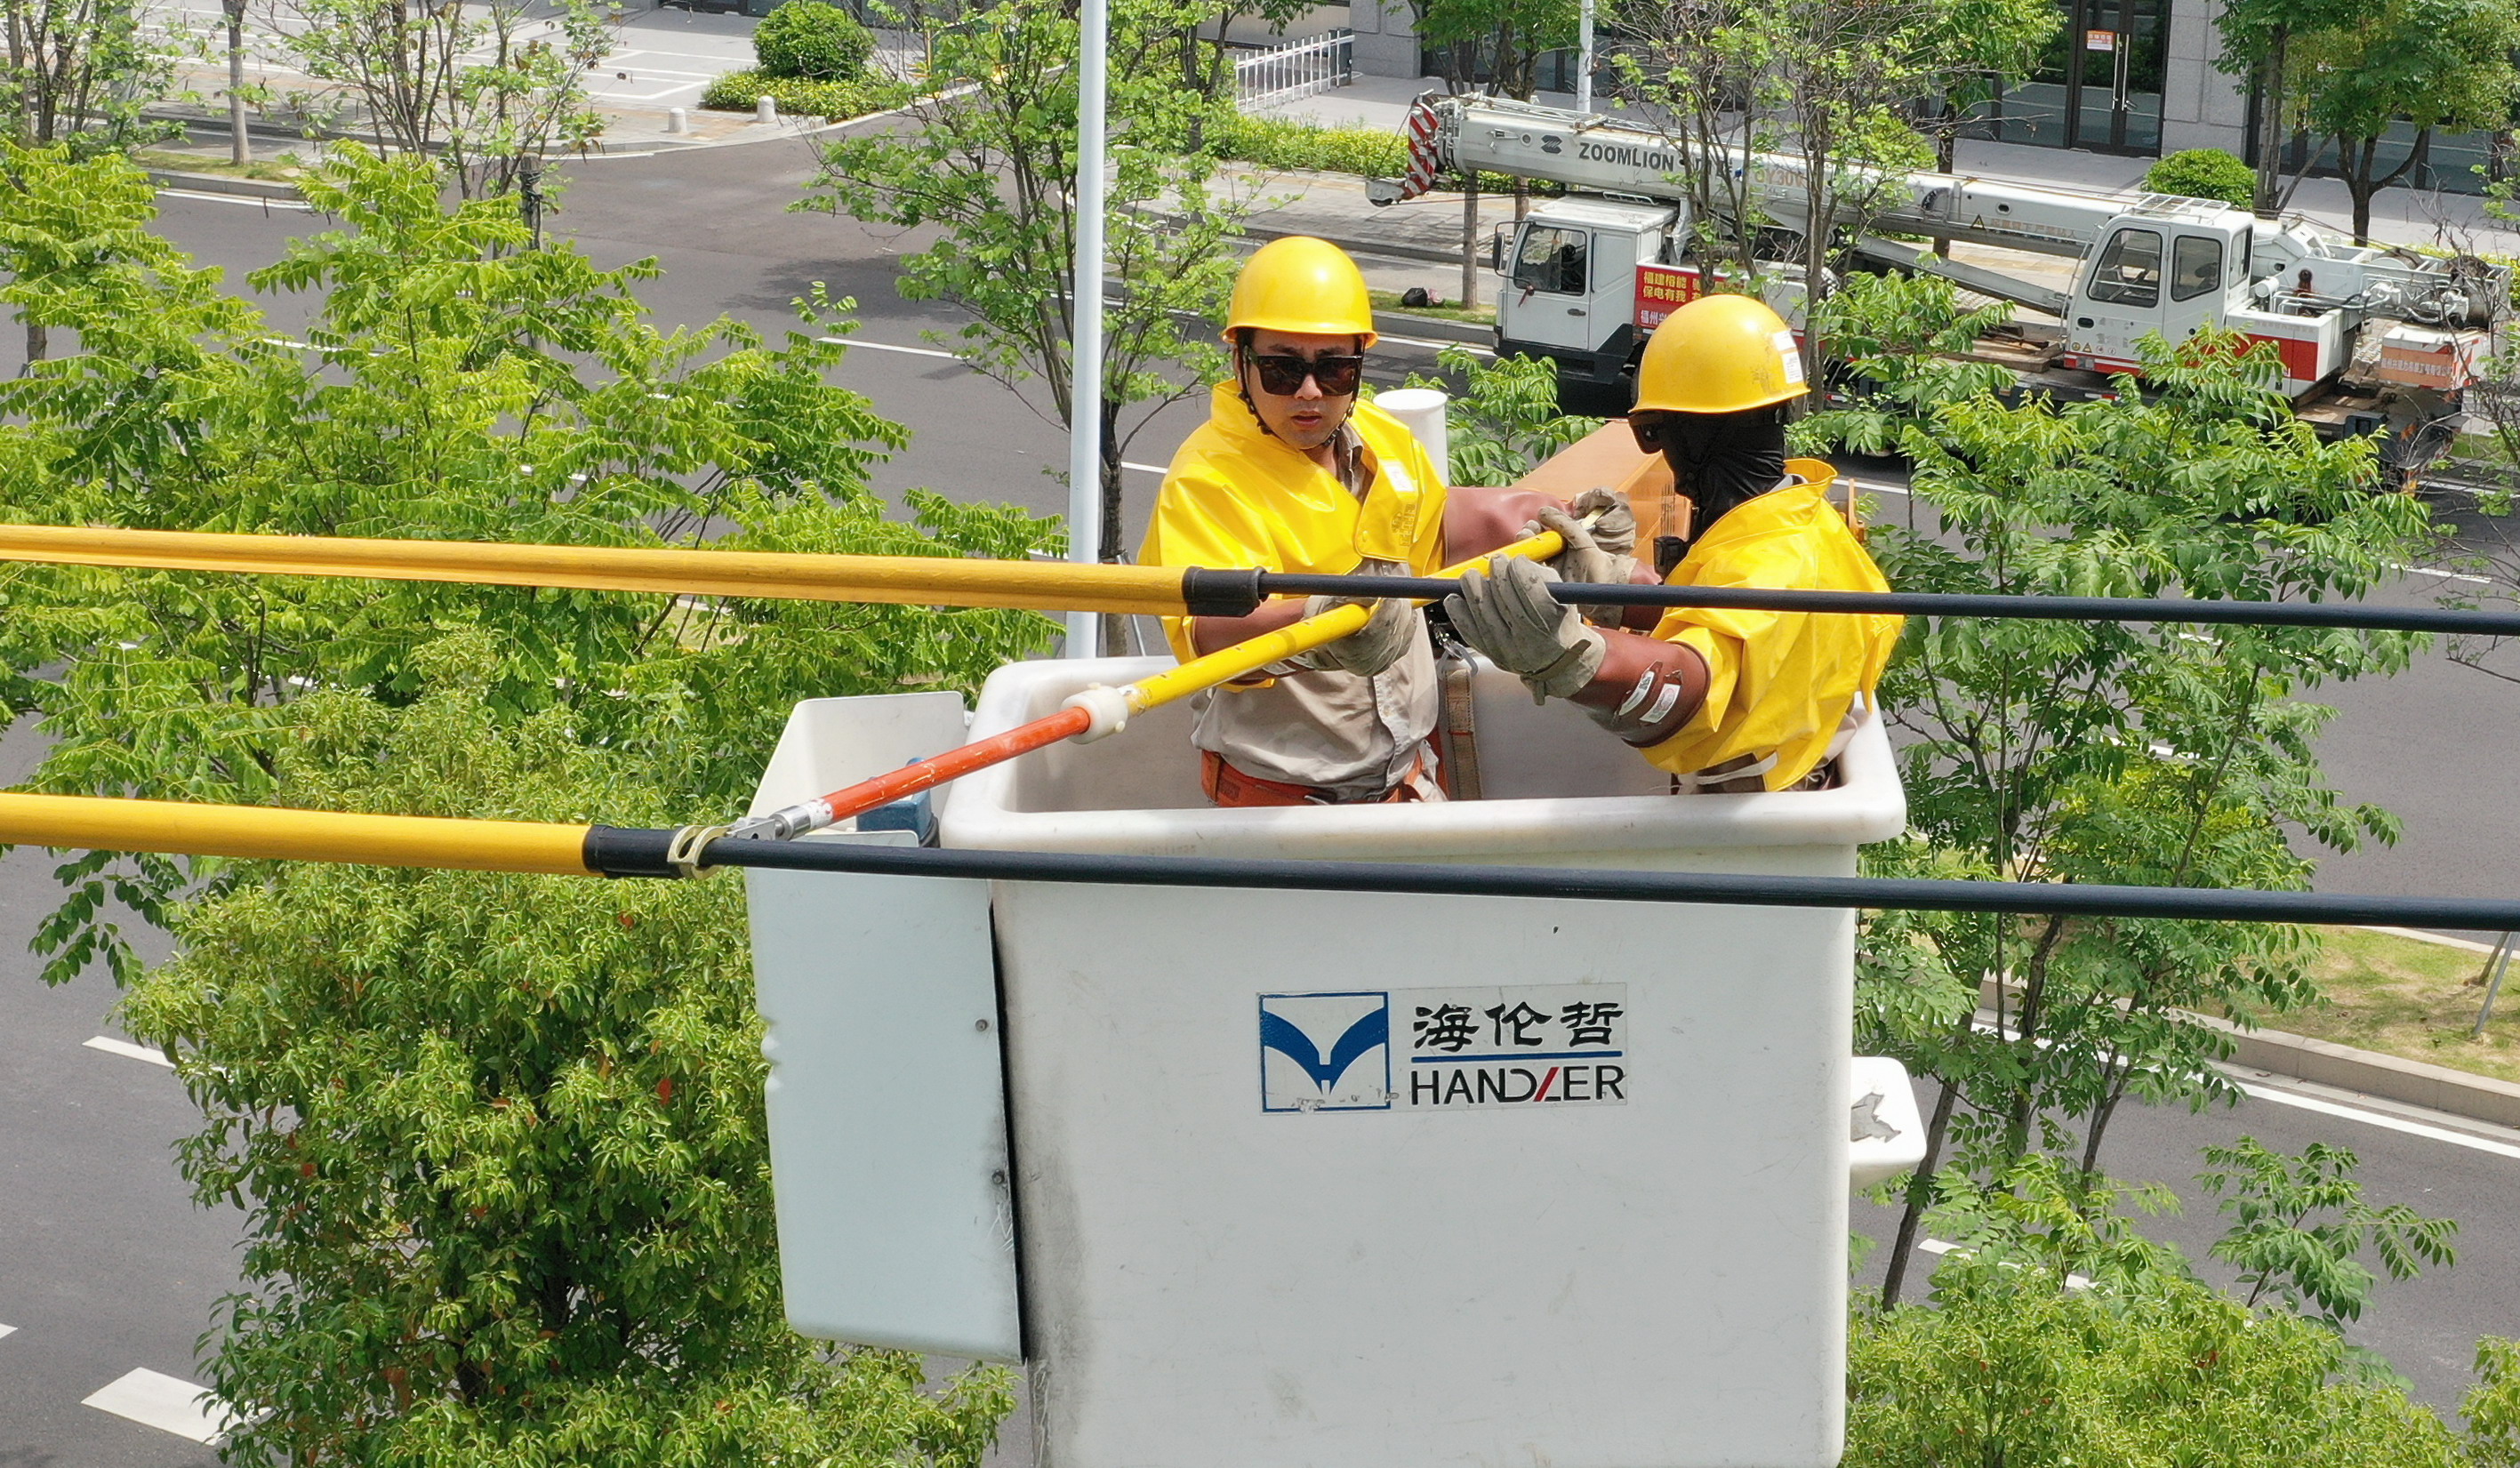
[[1507, 613], [1586, 557], [1381, 642]]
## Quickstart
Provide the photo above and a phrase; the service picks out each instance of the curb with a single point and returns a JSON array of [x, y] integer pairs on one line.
[[2436, 1088], [219, 183], [2388, 1078], [1434, 329]]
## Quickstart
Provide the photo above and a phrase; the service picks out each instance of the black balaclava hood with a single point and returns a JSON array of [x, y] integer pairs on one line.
[[1719, 461]]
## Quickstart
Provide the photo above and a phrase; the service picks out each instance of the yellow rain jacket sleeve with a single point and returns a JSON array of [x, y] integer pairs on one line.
[[1777, 681], [1236, 497]]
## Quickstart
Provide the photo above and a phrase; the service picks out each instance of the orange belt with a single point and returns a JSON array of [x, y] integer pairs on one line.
[[1235, 789]]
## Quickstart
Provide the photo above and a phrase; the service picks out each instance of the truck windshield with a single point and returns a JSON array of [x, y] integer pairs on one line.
[[2130, 270], [1551, 259]]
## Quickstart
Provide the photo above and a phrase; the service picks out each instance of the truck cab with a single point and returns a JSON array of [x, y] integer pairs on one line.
[[1570, 285]]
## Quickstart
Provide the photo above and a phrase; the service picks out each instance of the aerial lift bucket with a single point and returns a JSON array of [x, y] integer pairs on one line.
[[1258, 1177]]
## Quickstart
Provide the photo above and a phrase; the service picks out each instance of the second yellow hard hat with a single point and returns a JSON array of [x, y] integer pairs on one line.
[[1720, 354], [1300, 284]]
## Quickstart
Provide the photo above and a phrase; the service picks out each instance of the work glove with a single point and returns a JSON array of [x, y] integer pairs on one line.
[[1614, 524], [1507, 613], [1587, 559], [1382, 640]]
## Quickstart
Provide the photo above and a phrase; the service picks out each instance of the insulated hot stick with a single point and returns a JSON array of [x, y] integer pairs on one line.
[[176, 828], [1057, 586], [1100, 711]]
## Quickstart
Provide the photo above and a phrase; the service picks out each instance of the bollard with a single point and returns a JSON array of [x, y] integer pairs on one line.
[[678, 121], [766, 110]]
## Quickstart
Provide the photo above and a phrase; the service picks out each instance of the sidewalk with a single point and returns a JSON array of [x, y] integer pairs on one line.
[[2399, 216]]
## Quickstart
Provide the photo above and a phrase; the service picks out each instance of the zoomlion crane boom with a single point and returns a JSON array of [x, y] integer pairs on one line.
[[1591, 274]]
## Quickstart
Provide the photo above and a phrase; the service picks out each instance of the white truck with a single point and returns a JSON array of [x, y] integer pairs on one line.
[[1589, 274]]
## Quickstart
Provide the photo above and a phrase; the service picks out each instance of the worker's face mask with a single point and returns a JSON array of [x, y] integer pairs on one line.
[[1718, 460]]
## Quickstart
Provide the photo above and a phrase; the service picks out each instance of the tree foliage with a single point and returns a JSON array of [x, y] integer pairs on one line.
[[1504, 421], [499, 1136], [447, 386], [2114, 752], [989, 165], [814, 39], [2301, 1227], [484, 87]]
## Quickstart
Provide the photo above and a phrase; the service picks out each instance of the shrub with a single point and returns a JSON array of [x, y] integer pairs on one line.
[[2204, 173], [1367, 152], [811, 39], [803, 96]]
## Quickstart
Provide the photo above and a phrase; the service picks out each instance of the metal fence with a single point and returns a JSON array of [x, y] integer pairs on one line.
[[1296, 68]]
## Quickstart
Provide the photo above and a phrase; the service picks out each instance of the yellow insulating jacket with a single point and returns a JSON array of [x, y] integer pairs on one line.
[[1777, 681], [1236, 497]]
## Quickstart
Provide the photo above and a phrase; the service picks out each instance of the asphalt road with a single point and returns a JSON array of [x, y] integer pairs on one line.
[[106, 1267]]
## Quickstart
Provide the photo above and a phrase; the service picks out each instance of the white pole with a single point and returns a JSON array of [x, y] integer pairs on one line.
[[1085, 351], [1584, 59]]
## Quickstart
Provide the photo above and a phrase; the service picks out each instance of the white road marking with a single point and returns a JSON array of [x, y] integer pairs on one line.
[[1146, 469], [2381, 1119], [1476, 351], [1875, 486], [8, 1330], [126, 1050], [168, 1404], [886, 346], [248, 199]]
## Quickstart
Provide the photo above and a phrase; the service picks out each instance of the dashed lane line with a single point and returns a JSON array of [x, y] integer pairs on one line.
[[126, 1050], [1946, 1246], [168, 1404], [2379, 1119], [7, 1330]]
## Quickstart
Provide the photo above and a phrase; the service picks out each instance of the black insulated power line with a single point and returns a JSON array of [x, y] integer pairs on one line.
[[2359, 618], [620, 852]]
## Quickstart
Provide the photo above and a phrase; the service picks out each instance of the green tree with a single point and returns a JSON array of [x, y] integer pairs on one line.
[[499, 1137], [447, 386], [79, 72], [2257, 46], [2375, 64], [487, 88], [989, 165], [2301, 1224], [1503, 420], [2006, 1369], [2113, 752]]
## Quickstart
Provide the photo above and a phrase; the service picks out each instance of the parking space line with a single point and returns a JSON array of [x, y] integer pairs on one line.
[[168, 1404], [126, 1050]]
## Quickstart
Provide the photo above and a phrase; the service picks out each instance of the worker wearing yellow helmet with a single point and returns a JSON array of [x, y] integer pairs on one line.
[[1292, 472], [1729, 702]]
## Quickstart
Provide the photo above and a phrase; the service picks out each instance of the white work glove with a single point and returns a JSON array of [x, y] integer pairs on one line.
[[1614, 524], [1586, 557], [1382, 640], [1507, 613]]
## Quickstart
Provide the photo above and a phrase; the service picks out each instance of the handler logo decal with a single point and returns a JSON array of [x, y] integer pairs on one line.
[[1445, 1049], [1325, 1051]]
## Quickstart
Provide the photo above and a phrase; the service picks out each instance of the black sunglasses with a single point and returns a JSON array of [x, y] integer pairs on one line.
[[1284, 377]]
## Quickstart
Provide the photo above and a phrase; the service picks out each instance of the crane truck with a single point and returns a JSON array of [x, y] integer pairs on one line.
[[2371, 338]]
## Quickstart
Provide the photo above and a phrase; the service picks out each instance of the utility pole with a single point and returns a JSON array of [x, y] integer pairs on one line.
[[1085, 347], [1584, 59]]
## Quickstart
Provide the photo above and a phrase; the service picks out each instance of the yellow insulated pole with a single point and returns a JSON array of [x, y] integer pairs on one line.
[[910, 580], [87, 823]]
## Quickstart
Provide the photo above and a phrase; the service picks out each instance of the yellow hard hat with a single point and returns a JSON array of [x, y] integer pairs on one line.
[[1300, 284], [1720, 354]]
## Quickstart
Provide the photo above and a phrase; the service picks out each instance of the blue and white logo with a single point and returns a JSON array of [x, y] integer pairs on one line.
[[1325, 1051]]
